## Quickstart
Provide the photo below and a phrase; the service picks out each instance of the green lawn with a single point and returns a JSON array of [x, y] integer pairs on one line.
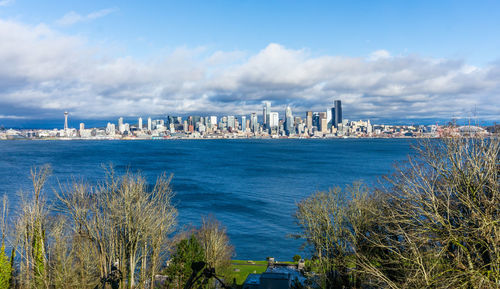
[[246, 268]]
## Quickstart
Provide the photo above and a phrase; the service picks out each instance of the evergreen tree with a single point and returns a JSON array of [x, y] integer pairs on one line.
[[188, 251], [5, 268]]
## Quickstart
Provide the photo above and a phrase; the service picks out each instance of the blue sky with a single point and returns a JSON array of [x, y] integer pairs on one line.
[[384, 59]]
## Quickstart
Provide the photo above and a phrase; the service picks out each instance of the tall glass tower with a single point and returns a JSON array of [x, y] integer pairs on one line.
[[337, 114]]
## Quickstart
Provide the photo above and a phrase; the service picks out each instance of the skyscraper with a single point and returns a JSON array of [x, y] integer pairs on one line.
[[337, 116], [254, 125], [289, 125], [243, 123], [121, 127], [230, 122], [274, 122], [149, 124], [139, 123], [265, 114], [309, 120]]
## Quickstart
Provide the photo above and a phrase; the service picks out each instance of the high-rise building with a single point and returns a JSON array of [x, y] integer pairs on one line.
[[243, 123], [254, 125], [121, 127], [230, 122], [289, 124], [337, 116], [149, 124], [82, 126], [265, 114], [139, 123], [110, 129], [274, 122], [212, 121], [329, 118], [309, 120]]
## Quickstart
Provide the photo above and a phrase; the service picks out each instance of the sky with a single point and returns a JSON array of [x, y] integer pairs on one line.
[[385, 60]]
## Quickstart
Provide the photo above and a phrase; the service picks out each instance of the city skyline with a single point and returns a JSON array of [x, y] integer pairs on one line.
[[100, 61]]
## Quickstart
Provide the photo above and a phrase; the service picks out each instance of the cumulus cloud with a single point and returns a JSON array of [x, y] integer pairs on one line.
[[44, 72], [72, 17]]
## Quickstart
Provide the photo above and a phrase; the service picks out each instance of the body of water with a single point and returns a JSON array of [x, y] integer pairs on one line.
[[251, 186]]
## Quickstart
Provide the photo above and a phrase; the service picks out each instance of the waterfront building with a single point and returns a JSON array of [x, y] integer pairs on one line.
[[309, 120], [265, 114], [254, 125], [329, 118], [139, 123], [274, 122], [82, 126], [149, 124], [231, 122], [121, 126], [110, 129], [289, 123], [212, 121], [337, 114], [243, 123]]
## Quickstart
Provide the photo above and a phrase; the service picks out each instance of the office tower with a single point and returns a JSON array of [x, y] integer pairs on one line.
[[230, 122], [337, 116], [82, 126], [212, 121], [121, 127], [149, 124], [333, 117], [289, 124], [110, 129], [243, 123], [66, 120], [274, 122], [329, 118], [139, 123], [316, 120], [309, 120], [254, 125], [265, 114]]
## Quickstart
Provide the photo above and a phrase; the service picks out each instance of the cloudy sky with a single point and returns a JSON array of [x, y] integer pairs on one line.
[[384, 59]]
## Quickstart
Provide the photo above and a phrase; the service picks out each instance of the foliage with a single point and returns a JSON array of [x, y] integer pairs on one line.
[[296, 258], [435, 224], [187, 252], [5, 269]]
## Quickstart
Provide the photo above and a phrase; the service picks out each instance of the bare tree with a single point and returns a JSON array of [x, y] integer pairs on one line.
[[215, 243], [30, 227], [125, 222], [437, 223]]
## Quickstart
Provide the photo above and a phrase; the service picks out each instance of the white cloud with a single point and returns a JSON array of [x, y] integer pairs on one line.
[[72, 17], [379, 54], [44, 72], [6, 2]]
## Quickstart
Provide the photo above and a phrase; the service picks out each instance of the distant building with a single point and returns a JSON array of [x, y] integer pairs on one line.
[[243, 123], [274, 122], [254, 125], [265, 114], [149, 124], [309, 120], [289, 123], [337, 114], [230, 122], [139, 123]]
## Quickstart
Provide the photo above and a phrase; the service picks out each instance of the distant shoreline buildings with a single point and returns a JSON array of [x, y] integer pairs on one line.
[[323, 124]]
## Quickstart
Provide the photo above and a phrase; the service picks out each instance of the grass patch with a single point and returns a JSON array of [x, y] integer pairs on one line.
[[245, 269]]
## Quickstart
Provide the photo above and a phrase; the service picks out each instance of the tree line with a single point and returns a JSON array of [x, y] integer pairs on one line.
[[116, 234], [433, 223]]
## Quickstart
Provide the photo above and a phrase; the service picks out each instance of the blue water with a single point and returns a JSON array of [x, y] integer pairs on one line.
[[251, 186]]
